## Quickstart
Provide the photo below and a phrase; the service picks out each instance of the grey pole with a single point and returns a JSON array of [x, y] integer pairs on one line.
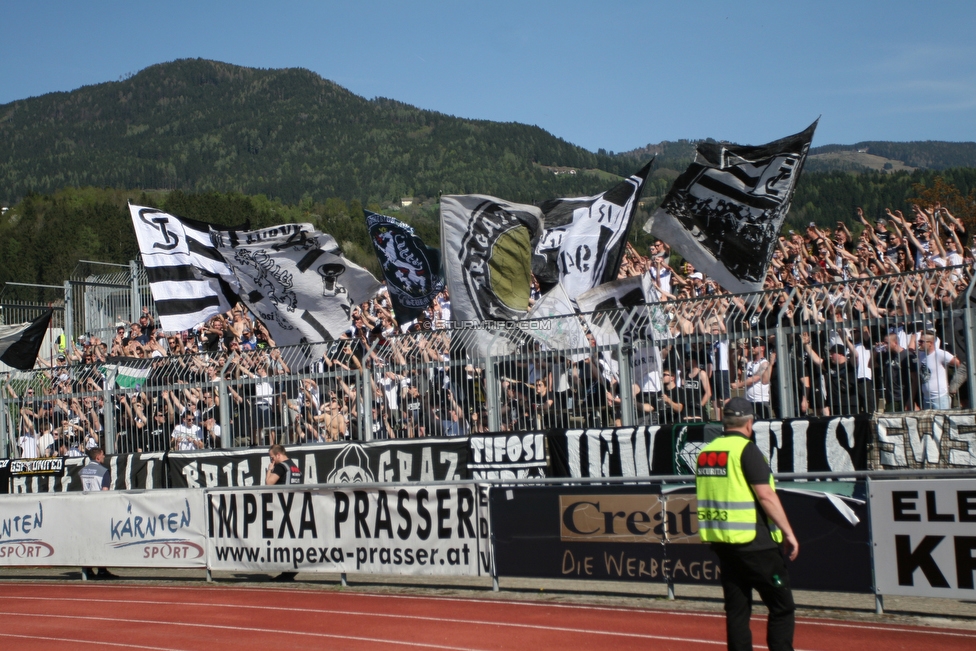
[[135, 300], [225, 438], [108, 410], [69, 312]]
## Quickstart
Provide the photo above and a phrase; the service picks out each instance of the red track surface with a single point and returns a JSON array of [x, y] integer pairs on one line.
[[106, 616]]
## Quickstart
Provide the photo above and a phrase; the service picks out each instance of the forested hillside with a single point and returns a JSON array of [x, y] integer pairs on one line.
[[229, 145], [201, 126], [44, 236]]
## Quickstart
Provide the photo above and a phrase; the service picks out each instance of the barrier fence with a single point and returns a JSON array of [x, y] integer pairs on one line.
[[860, 532], [864, 346]]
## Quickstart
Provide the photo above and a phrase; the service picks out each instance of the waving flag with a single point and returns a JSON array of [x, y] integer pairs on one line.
[[487, 246], [585, 238], [188, 277], [296, 281], [19, 344], [724, 213], [411, 268]]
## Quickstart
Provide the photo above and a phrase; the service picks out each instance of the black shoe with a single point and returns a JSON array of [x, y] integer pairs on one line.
[[104, 575], [285, 577]]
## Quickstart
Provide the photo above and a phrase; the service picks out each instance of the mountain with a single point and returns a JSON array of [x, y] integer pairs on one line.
[[198, 126]]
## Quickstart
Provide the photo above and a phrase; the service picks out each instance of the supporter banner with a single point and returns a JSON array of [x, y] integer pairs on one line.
[[39, 467], [508, 456], [416, 530], [297, 282], [724, 212], [925, 537], [927, 440], [796, 445], [104, 529], [410, 267], [128, 472], [487, 244], [4, 475], [585, 238], [189, 279], [56, 480], [333, 463], [636, 533]]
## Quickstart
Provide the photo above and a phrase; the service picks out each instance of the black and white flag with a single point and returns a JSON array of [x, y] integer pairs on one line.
[[410, 267], [628, 306], [295, 280], [585, 238], [20, 343], [189, 279], [557, 325], [487, 246], [724, 213]]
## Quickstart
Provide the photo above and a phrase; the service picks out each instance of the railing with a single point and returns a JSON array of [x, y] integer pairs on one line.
[[839, 349]]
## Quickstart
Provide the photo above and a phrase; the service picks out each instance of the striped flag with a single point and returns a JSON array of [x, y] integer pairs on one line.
[[724, 213], [189, 278], [585, 238], [130, 373]]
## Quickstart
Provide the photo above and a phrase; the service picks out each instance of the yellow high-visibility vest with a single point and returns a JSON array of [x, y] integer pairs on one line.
[[727, 510]]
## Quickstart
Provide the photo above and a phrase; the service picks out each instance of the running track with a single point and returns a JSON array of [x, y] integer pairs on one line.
[[113, 616]]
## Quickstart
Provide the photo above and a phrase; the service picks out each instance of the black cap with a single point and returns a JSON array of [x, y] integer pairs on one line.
[[738, 407], [758, 341], [838, 349]]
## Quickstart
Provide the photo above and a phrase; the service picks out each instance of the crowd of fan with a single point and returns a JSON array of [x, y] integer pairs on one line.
[[861, 335]]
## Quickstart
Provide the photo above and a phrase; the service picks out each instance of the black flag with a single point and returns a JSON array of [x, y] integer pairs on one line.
[[725, 212], [19, 344]]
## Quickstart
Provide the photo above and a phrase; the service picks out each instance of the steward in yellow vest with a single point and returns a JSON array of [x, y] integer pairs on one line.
[[741, 517]]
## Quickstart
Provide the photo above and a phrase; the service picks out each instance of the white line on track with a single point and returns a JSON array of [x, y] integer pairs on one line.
[[279, 631], [695, 614], [74, 640], [357, 613]]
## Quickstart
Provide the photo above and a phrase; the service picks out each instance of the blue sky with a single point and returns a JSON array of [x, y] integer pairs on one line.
[[612, 75]]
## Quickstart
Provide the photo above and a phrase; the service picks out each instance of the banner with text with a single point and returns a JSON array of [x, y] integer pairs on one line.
[[638, 533], [925, 537], [416, 460], [415, 530], [927, 439], [105, 529], [796, 445], [60, 474], [505, 455]]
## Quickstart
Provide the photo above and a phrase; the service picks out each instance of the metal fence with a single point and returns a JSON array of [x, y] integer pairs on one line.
[[860, 346]]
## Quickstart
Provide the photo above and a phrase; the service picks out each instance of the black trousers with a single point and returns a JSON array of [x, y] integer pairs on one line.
[[766, 572]]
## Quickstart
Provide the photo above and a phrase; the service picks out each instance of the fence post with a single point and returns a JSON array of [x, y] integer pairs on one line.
[[135, 299], [625, 348], [491, 396], [878, 598], [226, 440], [970, 329], [365, 397], [7, 444], [69, 313], [108, 410]]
